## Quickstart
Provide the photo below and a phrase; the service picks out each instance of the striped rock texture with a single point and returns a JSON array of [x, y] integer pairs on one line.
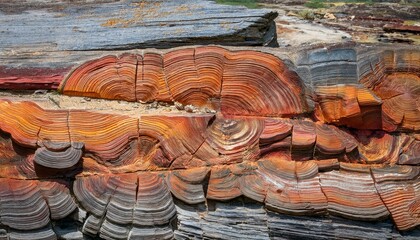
[[203, 76], [312, 147]]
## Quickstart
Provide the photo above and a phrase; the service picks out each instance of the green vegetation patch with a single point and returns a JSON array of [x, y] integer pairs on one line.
[[329, 3], [246, 3], [412, 23], [316, 4], [306, 14]]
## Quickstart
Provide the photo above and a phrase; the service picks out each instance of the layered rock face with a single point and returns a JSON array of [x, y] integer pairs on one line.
[[37, 34], [204, 77], [322, 145]]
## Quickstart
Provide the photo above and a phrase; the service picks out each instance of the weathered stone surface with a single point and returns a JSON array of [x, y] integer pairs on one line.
[[31, 30], [265, 224], [327, 137], [131, 24]]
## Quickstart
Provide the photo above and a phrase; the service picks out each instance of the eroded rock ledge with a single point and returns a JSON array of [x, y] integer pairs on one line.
[[326, 138], [38, 36], [126, 24]]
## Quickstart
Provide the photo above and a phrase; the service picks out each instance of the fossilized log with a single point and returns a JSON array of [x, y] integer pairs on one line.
[[153, 85], [117, 143], [395, 79], [69, 155], [293, 191], [275, 89], [202, 76], [410, 152], [119, 201], [356, 87], [112, 139], [19, 198], [58, 198], [187, 185], [159, 208], [116, 202], [340, 86], [275, 136], [142, 200], [346, 104], [241, 170], [399, 190], [358, 200], [27, 206], [173, 140], [29, 125], [46, 233], [109, 77]]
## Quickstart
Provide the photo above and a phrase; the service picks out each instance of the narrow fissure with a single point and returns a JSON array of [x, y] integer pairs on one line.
[[68, 125], [38, 141], [135, 78], [165, 79], [322, 190], [379, 194]]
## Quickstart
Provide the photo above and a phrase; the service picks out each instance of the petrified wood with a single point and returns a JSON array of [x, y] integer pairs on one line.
[[204, 77], [255, 146]]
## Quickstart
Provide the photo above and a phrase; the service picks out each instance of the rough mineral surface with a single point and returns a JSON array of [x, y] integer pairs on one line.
[[32, 30], [321, 144]]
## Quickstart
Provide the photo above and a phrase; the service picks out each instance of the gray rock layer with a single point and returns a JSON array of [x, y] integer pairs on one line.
[[39, 25]]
